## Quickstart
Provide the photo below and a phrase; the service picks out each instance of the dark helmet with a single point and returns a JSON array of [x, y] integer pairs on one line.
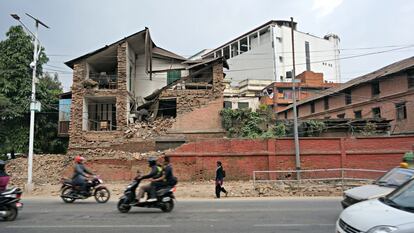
[[152, 161]]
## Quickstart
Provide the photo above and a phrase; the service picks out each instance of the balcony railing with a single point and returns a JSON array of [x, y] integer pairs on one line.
[[105, 81]]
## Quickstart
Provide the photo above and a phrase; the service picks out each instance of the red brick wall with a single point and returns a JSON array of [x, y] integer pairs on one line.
[[240, 157]]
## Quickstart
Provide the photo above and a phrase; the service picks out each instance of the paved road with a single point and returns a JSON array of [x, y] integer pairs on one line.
[[225, 216]]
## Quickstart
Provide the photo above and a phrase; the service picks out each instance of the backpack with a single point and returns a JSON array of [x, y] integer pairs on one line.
[[224, 173]]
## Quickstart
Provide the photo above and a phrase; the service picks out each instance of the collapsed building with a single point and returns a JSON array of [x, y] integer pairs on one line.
[[133, 81]]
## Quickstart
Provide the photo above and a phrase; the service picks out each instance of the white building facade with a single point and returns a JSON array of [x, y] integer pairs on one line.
[[246, 94], [265, 53]]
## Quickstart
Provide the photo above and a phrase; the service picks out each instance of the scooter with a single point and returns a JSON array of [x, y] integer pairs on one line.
[[71, 192], [165, 199], [10, 203]]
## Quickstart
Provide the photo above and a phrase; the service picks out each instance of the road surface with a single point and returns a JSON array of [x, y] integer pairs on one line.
[[310, 215]]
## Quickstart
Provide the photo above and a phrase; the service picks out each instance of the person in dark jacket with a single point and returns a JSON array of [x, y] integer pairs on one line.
[[166, 180], [4, 177], [80, 175], [219, 180], [156, 172]]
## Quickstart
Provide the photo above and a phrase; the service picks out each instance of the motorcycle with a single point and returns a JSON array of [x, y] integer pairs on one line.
[[165, 199], [10, 203], [71, 192]]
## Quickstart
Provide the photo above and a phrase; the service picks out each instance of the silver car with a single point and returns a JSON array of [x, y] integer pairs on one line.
[[381, 187]]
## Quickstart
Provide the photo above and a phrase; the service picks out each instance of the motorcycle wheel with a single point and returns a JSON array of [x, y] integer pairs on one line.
[[122, 207], [13, 213], [65, 193], [102, 195], [168, 206]]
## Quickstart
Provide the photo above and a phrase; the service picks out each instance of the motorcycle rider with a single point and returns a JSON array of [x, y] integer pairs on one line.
[[4, 177], [156, 172], [80, 174], [167, 178]]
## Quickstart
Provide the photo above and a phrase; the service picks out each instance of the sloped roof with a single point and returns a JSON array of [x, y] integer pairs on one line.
[[381, 73], [166, 53], [155, 50], [208, 61]]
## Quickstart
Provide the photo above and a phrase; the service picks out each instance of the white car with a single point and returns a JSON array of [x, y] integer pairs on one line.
[[381, 187], [392, 213]]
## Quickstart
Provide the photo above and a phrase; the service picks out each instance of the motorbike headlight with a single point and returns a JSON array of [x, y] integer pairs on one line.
[[382, 229]]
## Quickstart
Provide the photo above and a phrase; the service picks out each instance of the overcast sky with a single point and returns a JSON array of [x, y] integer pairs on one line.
[[187, 26]]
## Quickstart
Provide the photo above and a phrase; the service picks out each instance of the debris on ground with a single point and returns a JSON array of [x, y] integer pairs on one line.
[[49, 168]]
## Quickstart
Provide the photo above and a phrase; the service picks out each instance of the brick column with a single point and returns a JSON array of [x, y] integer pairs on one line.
[[218, 77], [121, 98], [343, 152], [271, 150], [76, 111]]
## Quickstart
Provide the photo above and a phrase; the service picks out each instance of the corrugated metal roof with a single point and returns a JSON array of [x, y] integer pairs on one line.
[[383, 72]]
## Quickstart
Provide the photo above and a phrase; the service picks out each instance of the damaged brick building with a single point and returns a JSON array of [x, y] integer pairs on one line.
[[133, 80]]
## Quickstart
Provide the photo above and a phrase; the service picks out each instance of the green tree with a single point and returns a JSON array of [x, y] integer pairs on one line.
[[15, 90]]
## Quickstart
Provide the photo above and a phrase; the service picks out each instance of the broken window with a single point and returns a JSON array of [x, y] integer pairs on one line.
[[348, 97], [226, 51], [326, 103], [401, 111], [243, 45], [376, 112], [234, 49], [218, 53], [358, 114], [167, 108], [375, 87], [101, 112], [253, 41]]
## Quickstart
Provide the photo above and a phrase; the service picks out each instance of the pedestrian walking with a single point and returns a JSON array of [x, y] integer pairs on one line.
[[220, 174]]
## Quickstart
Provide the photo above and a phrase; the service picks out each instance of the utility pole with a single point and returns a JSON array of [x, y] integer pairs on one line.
[[295, 116], [33, 104]]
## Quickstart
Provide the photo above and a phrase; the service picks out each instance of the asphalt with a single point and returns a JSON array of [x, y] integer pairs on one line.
[[287, 215]]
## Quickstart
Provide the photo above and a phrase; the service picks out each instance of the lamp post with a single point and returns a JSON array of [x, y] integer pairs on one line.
[[33, 104]]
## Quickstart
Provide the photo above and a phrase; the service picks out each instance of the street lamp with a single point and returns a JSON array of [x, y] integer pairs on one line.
[[33, 104]]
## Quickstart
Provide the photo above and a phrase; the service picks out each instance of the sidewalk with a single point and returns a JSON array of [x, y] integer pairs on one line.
[[197, 190]]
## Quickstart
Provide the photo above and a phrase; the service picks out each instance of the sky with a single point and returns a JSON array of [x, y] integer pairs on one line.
[[188, 26]]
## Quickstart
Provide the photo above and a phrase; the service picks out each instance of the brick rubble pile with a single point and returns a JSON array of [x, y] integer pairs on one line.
[[149, 130]]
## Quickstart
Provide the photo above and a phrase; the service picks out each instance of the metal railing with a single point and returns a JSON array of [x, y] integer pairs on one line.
[[105, 81], [331, 174]]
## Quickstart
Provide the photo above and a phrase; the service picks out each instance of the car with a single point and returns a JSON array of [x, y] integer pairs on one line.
[[381, 187], [392, 213]]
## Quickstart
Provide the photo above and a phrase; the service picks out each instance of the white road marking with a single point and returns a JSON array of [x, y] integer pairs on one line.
[[254, 210], [292, 225], [91, 226]]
